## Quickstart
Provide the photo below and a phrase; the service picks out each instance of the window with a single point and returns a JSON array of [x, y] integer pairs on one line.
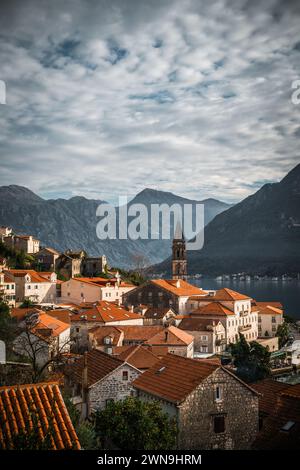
[[273, 320], [107, 340], [273, 327], [125, 375], [259, 319], [219, 424], [218, 393], [204, 338]]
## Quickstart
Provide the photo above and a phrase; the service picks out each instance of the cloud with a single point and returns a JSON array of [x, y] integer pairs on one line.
[[106, 98]]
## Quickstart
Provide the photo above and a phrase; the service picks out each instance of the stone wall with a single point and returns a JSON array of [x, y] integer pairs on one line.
[[238, 405], [151, 295], [112, 387]]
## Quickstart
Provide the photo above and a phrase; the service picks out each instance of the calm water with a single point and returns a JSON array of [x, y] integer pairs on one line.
[[286, 292]]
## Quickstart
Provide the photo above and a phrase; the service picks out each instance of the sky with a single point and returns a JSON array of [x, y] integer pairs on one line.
[[107, 97]]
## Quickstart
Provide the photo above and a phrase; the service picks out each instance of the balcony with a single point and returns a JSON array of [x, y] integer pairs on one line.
[[243, 328]]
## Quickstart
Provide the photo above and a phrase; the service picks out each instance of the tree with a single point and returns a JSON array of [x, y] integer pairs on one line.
[[282, 333], [135, 425], [252, 360], [85, 430], [7, 326], [27, 303], [40, 349]]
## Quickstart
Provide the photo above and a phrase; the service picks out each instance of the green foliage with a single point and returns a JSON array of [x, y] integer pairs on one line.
[[7, 326], [132, 277], [283, 333], [85, 430], [27, 303], [252, 360], [15, 258], [133, 424]]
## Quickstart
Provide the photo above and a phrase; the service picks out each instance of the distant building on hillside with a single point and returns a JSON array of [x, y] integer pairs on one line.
[[78, 263], [26, 243], [46, 258]]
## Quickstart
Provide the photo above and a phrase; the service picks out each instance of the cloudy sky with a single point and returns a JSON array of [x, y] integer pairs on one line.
[[108, 97]]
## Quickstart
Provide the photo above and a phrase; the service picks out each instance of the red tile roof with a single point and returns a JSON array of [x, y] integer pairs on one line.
[[280, 409], [226, 294], [46, 322], [104, 312], [173, 378], [35, 276], [139, 356], [99, 365], [264, 308], [183, 289], [213, 308], [98, 333], [21, 313], [18, 403], [171, 336], [140, 333], [63, 315], [197, 324]]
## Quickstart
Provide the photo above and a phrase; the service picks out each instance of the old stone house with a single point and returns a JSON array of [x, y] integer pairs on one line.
[[162, 293], [46, 258], [157, 316], [209, 335], [212, 407], [98, 378], [78, 263]]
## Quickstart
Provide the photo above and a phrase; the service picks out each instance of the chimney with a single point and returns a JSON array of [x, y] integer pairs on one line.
[[166, 335], [178, 283], [131, 309], [85, 385]]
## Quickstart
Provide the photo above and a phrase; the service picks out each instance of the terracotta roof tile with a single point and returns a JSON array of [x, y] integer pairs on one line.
[[103, 312], [171, 336], [140, 333], [173, 378], [18, 403], [197, 324], [213, 308], [227, 295], [139, 356], [183, 289], [99, 364]]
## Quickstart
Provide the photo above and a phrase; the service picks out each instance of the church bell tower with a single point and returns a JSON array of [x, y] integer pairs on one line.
[[179, 260]]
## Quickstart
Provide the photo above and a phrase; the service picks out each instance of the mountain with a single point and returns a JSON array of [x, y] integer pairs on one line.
[[71, 223], [261, 234]]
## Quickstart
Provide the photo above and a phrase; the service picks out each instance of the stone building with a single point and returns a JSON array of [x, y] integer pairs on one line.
[[163, 293], [179, 259], [212, 407], [209, 335], [98, 378], [46, 258], [26, 243], [78, 263], [69, 264]]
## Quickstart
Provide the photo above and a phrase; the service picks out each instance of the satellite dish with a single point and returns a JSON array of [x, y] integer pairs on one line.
[[2, 352]]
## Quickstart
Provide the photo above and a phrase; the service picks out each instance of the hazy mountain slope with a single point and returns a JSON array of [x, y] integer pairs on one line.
[[71, 223], [261, 234]]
